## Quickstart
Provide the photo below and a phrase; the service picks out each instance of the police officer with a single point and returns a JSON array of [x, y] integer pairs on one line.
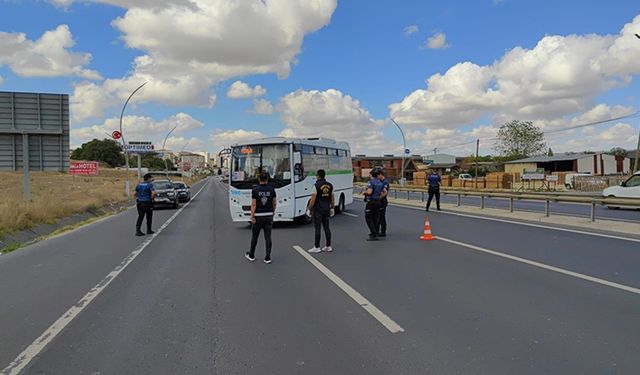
[[373, 195], [322, 205], [434, 189], [383, 205], [144, 203], [263, 206]]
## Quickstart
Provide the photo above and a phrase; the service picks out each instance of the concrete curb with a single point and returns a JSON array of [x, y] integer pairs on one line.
[[31, 235]]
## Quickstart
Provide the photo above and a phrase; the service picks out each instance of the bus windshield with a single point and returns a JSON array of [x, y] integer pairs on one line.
[[249, 160]]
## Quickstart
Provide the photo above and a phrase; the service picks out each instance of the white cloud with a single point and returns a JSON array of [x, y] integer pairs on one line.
[[185, 144], [411, 29], [137, 128], [560, 76], [437, 41], [213, 99], [88, 101], [181, 63], [48, 56], [241, 90], [1, 80], [226, 138], [262, 107], [334, 115]]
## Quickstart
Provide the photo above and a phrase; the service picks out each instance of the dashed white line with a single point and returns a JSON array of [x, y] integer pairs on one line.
[[381, 317], [544, 266], [24, 358]]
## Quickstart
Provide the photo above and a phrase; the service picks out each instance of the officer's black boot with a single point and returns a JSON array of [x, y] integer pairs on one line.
[[139, 232]]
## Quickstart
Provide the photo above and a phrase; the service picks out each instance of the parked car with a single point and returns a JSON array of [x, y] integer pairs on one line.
[[183, 191], [465, 177], [628, 189], [569, 179], [165, 194]]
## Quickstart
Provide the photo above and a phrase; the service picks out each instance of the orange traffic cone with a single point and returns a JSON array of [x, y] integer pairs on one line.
[[427, 236]]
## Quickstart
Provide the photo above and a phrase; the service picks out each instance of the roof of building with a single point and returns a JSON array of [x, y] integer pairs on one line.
[[546, 158]]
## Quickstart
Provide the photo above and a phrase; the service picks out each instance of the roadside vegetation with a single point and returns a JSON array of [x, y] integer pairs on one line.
[[58, 195]]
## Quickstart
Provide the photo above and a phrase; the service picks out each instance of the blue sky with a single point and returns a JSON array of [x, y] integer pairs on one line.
[[327, 68]]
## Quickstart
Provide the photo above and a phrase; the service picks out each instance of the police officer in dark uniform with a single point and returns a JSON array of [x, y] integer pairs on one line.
[[373, 196], [383, 205], [263, 206], [322, 205], [144, 202], [434, 189]]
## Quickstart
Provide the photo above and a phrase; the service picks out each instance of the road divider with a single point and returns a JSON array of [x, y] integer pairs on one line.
[[33, 350], [381, 317]]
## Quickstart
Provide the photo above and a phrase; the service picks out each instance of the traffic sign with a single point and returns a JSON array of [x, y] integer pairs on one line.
[[407, 151], [116, 134], [139, 147]]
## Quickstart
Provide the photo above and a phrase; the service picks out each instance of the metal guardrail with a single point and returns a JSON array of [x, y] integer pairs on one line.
[[512, 196]]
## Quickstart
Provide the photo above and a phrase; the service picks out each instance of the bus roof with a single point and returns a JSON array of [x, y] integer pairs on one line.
[[320, 142]]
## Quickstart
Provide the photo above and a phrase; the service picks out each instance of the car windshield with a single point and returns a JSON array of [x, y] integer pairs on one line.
[[249, 161], [162, 185], [179, 185]]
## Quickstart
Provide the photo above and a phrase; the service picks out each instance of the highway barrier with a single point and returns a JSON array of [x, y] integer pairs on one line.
[[547, 198]]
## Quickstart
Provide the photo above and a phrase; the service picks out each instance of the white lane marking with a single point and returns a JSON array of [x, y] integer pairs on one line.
[[350, 214], [545, 266], [381, 317], [18, 364], [525, 224]]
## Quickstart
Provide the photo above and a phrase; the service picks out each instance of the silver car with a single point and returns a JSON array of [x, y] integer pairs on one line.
[[166, 194]]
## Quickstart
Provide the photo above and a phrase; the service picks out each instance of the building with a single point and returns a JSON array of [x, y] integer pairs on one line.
[[392, 165], [442, 163], [190, 161], [596, 164]]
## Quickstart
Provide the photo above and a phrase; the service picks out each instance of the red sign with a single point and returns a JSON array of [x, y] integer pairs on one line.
[[83, 167], [116, 134]]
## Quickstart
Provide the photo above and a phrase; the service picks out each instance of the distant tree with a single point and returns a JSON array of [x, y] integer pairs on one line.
[[154, 163], [618, 151], [550, 152], [106, 150], [519, 139]]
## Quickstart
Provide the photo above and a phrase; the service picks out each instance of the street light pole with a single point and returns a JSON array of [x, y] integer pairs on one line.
[[166, 167], [126, 152], [404, 141]]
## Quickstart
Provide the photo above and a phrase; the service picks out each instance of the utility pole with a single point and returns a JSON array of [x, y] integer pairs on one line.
[[124, 144], [477, 155], [404, 151], [637, 162]]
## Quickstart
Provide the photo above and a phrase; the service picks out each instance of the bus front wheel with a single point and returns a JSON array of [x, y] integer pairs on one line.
[[341, 205]]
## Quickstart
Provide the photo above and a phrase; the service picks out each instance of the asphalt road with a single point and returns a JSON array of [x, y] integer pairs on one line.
[[189, 303], [570, 209]]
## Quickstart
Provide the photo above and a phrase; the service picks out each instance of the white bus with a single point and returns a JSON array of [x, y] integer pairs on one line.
[[292, 164]]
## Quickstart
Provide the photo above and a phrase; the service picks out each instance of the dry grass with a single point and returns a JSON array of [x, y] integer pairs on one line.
[[57, 195]]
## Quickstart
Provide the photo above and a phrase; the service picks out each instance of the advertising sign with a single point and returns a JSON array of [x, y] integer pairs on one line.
[[552, 178], [533, 174], [139, 147], [89, 168]]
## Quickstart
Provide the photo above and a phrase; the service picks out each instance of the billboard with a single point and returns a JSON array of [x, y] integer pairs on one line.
[[139, 147], [34, 130], [89, 168]]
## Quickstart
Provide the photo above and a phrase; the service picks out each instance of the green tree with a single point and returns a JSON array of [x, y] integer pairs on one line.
[[154, 163], [618, 151], [550, 152], [520, 139], [106, 150]]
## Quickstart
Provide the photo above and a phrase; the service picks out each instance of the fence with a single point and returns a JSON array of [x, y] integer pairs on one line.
[[547, 198]]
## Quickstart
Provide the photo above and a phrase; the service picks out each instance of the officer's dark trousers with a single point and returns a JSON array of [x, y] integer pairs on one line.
[[144, 209], [372, 216], [262, 223], [321, 218], [434, 191], [382, 219]]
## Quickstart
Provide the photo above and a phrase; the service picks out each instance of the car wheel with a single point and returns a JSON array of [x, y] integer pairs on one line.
[[175, 205], [341, 205]]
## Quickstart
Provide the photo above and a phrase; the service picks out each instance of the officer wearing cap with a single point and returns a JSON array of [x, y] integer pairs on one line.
[[144, 203]]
